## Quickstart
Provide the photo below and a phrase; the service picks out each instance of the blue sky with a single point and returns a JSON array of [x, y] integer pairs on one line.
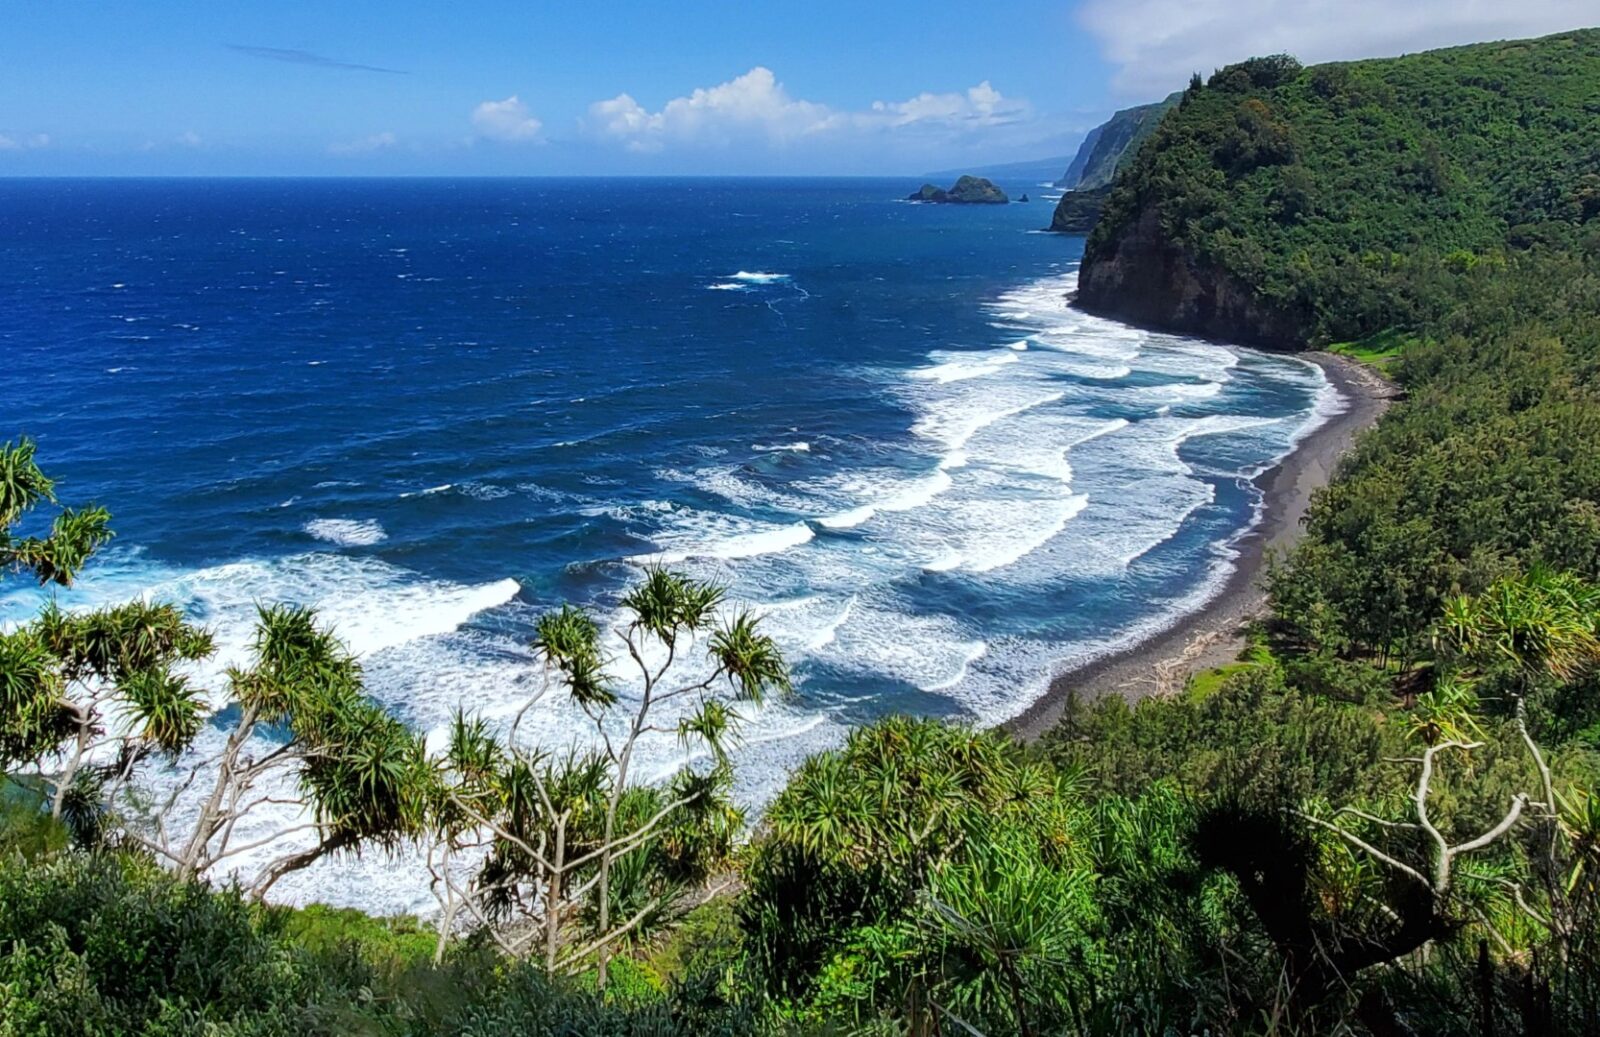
[[474, 87]]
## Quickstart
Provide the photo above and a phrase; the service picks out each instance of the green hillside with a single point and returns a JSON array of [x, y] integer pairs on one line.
[[1283, 204], [1110, 146]]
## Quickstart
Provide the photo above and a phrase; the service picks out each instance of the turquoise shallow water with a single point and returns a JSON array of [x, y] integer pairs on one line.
[[436, 408]]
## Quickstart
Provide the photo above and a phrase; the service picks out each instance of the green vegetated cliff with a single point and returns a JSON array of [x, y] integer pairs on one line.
[[1077, 212], [1280, 204], [1109, 146]]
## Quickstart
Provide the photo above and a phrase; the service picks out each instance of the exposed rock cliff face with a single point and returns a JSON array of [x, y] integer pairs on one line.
[[1078, 211], [1141, 277]]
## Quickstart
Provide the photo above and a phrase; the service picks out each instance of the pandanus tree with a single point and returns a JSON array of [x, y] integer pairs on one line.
[[87, 696], [578, 855], [942, 871], [304, 734]]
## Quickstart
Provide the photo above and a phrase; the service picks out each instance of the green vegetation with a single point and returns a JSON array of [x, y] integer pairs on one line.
[[1379, 350], [1113, 144], [1330, 203], [967, 190], [1078, 211], [1384, 819], [1208, 682]]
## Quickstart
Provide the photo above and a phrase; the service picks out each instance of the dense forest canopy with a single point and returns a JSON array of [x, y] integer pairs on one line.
[[1329, 203]]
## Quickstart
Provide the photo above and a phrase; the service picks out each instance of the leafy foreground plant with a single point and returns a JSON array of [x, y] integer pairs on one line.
[[107, 944], [577, 857], [89, 699]]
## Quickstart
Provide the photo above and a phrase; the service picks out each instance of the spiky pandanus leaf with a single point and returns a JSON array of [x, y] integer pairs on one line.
[[22, 485], [34, 716], [711, 724], [667, 604], [751, 660], [369, 779], [112, 643], [472, 752], [75, 535], [570, 640], [167, 710], [1446, 712]]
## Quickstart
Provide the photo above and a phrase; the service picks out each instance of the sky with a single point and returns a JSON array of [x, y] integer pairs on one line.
[[484, 87]]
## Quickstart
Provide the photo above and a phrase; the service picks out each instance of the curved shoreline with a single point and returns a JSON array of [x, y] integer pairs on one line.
[[1211, 635]]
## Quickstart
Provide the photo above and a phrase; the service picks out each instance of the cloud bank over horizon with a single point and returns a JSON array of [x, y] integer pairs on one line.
[[1156, 44], [755, 110]]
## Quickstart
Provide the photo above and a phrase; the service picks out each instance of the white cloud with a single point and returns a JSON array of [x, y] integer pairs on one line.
[[755, 108], [37, 140], [1156, 44], [189, 139], [754, 104], [507, 120], [365, 145], [981, 105]]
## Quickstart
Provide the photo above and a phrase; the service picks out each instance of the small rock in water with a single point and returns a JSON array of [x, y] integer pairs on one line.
[[969, 190]]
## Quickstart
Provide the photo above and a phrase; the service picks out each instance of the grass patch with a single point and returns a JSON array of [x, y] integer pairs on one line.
[[1206, 683], [391, 944], [1379, 350]]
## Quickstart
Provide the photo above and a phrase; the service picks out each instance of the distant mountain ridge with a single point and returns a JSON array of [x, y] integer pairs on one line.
[[1113, 143], [1035, 170]]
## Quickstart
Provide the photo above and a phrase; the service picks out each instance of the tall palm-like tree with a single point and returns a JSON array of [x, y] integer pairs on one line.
[[576, 850], [84, 696]]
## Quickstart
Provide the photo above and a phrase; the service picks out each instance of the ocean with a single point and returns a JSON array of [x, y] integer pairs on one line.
[[437, 408]]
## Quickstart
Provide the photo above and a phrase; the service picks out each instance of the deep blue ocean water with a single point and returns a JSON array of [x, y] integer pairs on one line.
[[436, 408]]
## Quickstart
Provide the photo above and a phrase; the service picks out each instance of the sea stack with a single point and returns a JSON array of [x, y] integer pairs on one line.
[[969, 190]]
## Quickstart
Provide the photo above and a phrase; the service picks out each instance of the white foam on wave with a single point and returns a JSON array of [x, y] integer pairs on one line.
[[807, 624], [428, 492], [929, 652], [975, 650], [347, 532], [1046, 523], [737, 487], [960, 417], [795, 448], [754, 538], [1327, 404], [961, 369], [758, 277], [913, 494], [728, 286]]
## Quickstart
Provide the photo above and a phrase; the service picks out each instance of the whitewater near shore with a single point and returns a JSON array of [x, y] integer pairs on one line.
[[1214, 634], [887, 433]]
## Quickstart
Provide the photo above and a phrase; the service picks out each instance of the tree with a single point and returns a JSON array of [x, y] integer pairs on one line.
[[925, 872], [578, 855], [87, 696], [1541, 624], [362, 775]]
